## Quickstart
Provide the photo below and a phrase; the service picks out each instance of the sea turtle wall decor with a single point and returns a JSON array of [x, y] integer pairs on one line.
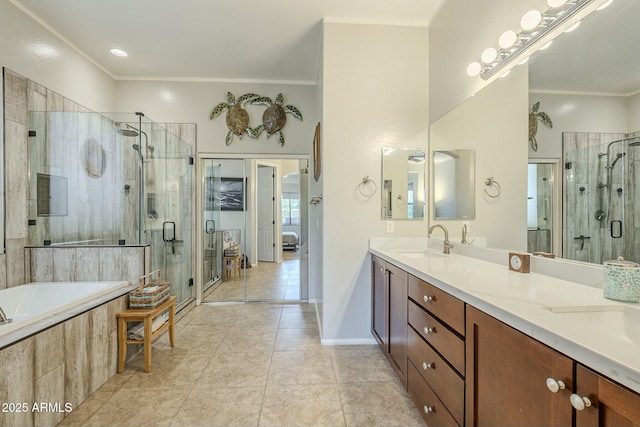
[[275, 116], [237, 116], [534, 117]]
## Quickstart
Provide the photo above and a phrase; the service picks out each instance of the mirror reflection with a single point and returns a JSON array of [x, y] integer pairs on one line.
[[403, 183], [585, 206], [454, 184]]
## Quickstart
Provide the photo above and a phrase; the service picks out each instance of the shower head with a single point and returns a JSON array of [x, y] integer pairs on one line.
[[618, 157], [127, 132]]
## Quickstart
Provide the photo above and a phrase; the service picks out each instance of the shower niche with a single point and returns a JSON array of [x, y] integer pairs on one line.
[[113, 179], [601, 196]]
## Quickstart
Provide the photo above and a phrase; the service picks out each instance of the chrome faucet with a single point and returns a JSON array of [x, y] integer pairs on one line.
[[447, 245], [3, 317], [464, 234]]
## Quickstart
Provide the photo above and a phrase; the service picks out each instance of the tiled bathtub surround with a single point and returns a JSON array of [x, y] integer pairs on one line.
[[65, 363], [584, 173]]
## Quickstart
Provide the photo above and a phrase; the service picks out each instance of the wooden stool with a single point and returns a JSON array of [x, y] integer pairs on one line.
[[236, 266], [147, 317]]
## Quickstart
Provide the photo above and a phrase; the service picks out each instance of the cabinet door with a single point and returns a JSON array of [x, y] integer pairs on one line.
[[378, 305], [506, 377], [611, 404], [398, 319]]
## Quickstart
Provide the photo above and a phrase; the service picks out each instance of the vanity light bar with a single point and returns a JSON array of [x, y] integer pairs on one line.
[[552, 18]]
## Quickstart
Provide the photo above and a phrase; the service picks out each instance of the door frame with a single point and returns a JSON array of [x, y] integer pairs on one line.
[[251, 190]]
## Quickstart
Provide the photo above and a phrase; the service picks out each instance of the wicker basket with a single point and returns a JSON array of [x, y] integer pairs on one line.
[[149, 294]]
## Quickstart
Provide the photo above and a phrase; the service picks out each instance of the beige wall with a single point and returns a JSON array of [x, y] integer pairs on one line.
[[374, 95], [494, 124]]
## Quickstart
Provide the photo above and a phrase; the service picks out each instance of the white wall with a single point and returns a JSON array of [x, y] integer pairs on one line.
[[30, 50], [493, 123], [192, 102], [579, 113], [374, 95]]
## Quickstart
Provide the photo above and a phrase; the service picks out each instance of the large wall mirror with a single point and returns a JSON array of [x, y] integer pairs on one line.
[[403, 183], [454, 184], [588, 83]]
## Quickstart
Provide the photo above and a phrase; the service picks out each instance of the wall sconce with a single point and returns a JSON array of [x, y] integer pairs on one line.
[[535, 26]]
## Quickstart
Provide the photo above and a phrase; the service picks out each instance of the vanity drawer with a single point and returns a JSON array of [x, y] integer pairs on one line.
[[443, 305], [441, 377], [432, 409], [447, 343]]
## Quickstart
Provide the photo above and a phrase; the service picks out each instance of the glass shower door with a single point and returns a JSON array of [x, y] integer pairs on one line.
[[212, 234], [169, 197]]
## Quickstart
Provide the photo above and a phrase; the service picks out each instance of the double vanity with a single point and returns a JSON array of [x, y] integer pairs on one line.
[[477, 344]]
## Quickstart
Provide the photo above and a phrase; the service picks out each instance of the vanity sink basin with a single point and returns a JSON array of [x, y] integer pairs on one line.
[[619, 321], [421, 254]]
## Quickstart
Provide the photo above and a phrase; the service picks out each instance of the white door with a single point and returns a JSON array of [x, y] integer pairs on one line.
[[266, 214]]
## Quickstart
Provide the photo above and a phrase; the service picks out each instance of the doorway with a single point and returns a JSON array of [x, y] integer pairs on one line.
[[254, 241], [543, 207]]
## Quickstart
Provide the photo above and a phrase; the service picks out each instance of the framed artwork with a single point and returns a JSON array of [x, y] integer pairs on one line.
[[232, 194], [317, 166]]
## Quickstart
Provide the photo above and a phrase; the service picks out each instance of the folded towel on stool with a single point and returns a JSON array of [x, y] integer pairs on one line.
[[136, 332]]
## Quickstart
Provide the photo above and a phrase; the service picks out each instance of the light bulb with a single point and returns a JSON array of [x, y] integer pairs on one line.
[[531, 20], [508, 39], [489, 55], [474, 69], [556, 3]]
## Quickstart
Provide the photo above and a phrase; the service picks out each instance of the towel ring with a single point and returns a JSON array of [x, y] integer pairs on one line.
[[492, 188], [364, 187]]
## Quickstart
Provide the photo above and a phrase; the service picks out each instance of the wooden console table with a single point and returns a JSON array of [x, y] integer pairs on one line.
[[146, 316]]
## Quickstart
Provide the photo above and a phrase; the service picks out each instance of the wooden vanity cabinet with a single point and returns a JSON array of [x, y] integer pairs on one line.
[[389, 313], [506, 377], [436, 353], [611, 405]]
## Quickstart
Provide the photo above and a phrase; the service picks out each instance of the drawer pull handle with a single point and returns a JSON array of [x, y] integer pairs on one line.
[[579, 402], [427, 330], [426, 366], [428, 298], [427, 409], [555, 386]]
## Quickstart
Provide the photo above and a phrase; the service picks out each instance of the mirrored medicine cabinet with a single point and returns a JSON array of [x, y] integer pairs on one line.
[[403, 183]]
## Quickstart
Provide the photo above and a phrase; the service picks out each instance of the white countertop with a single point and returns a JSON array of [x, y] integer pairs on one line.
[[573, 318]]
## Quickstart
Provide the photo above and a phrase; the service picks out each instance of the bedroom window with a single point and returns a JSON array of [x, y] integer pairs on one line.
[[290, 208]]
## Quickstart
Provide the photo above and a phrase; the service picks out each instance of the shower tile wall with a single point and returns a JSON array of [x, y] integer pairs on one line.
[[583, 171], [112, 212]]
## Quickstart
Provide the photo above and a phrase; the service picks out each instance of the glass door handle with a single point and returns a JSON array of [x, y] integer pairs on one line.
[[169, 237], [619, 233], [210, 226]]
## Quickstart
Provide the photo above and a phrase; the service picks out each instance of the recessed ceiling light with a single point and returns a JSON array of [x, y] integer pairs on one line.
[[118, 52], [604, 5], [524, 61], [505, 74]]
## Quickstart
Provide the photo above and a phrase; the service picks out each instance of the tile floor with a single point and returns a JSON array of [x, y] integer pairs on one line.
[[255, 364], [267, 281]]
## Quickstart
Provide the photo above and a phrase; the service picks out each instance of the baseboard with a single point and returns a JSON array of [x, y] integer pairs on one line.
[[349, 341]]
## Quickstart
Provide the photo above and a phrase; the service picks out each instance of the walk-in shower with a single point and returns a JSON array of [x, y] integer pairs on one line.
[[601, 194], [114, 179]]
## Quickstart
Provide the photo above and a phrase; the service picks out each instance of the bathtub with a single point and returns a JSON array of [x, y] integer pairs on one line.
[[36, 306]]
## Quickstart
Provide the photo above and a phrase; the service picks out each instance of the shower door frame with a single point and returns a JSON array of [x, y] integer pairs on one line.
[[557, 206]]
